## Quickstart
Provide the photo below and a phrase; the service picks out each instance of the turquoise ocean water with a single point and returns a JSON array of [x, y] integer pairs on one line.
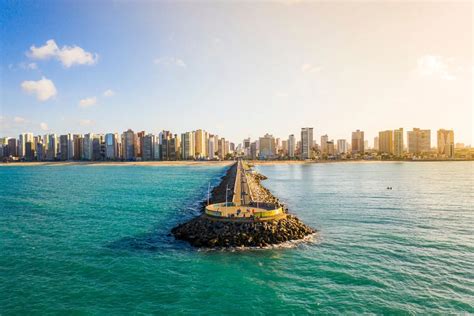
[[94, 240]]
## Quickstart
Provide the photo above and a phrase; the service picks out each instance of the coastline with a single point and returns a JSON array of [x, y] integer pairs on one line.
[[309, 162], [119, 163]]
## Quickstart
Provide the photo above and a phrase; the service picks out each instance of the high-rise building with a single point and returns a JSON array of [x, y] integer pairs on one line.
[[87, 147], [386, 142], [398, 142], [12, 147], [29, 151], [446, 143], [98, 151], [306, 142], [64, 143], [330, 148], [40, 151], [253, 150], [139, 143], [284, 147], [341, 146], [221, 148], [22, 140], [358, 142], [419, 141], [291, 146], [148, 149], [78, 146], [52, 149], [200, 138], [111, 146], [376, 143], [267, 148], [129, 140], [188, 146], [324, 146], [212, 147], [170, 145]]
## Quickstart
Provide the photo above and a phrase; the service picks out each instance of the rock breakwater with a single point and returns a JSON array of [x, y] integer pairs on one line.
[[206, 232], [211, 232]]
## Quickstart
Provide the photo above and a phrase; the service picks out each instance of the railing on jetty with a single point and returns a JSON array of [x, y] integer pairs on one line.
[[230, 211]]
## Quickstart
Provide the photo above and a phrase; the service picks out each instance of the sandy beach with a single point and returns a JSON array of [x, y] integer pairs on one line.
[[119, 163]]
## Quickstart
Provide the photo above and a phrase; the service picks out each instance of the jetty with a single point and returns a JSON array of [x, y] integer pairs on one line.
[[241, 212]]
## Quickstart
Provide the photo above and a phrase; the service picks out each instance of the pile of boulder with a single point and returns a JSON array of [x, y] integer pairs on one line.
[[205, 232], [259, 192], [210, 232]]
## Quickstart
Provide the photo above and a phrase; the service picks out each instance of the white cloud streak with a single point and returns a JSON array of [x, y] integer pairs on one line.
[[67, 55], [44, 88], [88, 102]]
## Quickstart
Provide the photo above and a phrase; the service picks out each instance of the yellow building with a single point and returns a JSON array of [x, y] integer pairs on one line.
[[419, 141], [200, 146], [386, 142], [398, 142], [446, 143]]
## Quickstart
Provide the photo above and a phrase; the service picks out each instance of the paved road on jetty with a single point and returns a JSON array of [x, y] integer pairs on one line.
[[241, 188]]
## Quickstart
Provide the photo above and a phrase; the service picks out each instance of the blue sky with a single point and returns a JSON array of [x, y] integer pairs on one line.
[[237, 69]]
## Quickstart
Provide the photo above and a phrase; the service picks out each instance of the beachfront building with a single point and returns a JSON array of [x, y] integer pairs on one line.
[[341, 146], [324, 145], [386, 142], [330, 150], [111, 146], [78, 141], [306, 142], [200, 146], [291, 146], [446, 143], [64, 143], [22, 140], [267, 147], [419, 141], [129, 140], [398, 142], [211, 147], [358, 142], [148, 147], [188, 146]]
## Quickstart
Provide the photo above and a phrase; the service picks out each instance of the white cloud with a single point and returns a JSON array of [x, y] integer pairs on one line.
[[87, 102], [19, 120], [85, 122], [44, 126], [309, 68], [43, 88], [432, 66], [169, 61], [109, 93], [50, 49], [67, 55]]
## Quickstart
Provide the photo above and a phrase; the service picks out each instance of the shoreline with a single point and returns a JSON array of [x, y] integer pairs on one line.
[[118, 163], [310, 162], [204, 163]]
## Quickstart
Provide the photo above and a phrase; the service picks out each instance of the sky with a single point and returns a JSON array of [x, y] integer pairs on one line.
[[238, 69]]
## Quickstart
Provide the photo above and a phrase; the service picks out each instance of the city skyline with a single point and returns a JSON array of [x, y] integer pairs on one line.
[[202, 145], [274, 73]]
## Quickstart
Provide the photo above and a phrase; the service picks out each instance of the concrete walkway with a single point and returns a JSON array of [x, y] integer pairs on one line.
[[241, 188]]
